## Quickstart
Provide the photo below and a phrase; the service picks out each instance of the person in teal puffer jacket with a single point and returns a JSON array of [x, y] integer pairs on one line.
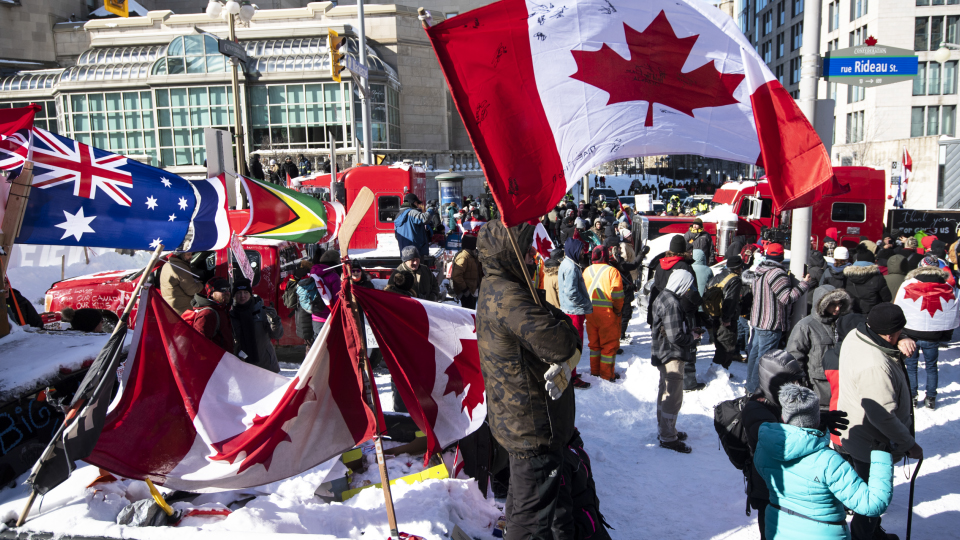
[[810, 483]]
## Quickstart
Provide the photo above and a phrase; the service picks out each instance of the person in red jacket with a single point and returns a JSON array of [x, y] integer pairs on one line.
[[210, 313]]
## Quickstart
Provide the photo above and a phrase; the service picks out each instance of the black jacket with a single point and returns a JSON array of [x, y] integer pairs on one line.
[[288, 167], [834, 276], [518, 340], [661, 275], [913, 258], [701, 241], [866, 286], [730, 309], [256, 169]]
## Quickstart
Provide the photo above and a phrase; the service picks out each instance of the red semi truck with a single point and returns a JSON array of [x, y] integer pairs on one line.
[[858, 212]]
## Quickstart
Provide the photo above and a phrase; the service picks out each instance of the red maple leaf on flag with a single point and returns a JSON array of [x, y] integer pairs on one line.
[[544, 246], [652, 73], [464, 374], [260, 440], [929, 294]]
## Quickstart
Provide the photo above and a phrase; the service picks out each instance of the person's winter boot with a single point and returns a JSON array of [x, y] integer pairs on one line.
[[676, 446], [579, 383], [917, 405], [619, 351], [696, 388], [881, 534], [931, 403]]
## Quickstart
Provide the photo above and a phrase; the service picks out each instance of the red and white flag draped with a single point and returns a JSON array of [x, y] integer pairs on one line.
[[928, 307], [541, 240], [548, 91], [192, 417], [431, 352]]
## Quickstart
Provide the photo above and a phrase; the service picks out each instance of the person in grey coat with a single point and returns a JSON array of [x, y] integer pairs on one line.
[[254, 325], [672, 338], [816, 333]]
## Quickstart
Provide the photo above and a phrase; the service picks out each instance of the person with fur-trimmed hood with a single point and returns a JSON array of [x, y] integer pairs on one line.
[[816, 333], [865, 283]]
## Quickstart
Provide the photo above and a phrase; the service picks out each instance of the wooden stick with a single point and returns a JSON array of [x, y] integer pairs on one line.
[[10, 229], [523, 264], [374, 404], [79, 405]]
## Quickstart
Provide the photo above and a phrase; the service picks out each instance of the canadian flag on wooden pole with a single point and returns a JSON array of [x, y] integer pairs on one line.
[[548, 91]]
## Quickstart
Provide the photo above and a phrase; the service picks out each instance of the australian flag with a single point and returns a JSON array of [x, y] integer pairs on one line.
[[84, 196]]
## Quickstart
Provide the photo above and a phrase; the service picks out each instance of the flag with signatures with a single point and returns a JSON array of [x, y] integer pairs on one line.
[[85, 196]]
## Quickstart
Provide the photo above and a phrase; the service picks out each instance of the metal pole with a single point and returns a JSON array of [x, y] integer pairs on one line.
[[809, 77], [237, 122], [365, 93]]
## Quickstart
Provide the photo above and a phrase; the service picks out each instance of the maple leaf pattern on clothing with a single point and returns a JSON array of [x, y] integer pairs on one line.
[[652, 73], [464, 374], [930, 295], [259, 441]]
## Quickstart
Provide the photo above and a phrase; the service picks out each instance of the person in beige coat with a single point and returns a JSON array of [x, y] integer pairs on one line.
[[551, 277], [874, 392], [465, 276], [178, 283]]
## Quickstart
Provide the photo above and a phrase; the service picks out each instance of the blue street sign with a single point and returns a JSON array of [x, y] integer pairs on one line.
[[868, 66]]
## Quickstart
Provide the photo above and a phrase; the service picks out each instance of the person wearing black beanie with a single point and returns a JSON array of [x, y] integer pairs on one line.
[[87, 320], [675, 258], [875, 394]]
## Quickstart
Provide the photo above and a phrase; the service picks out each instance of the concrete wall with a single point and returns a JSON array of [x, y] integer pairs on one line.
[[71, 40], [26, 29]]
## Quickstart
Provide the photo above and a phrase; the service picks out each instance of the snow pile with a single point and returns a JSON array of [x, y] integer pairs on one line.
[[644, 490]]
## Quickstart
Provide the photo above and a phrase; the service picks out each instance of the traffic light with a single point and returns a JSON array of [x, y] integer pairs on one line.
[[335, 46]]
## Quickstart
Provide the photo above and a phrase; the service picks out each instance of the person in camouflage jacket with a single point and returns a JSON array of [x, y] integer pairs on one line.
[[518, 340]]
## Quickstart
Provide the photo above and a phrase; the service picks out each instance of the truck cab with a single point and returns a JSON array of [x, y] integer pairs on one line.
[[858, 212]]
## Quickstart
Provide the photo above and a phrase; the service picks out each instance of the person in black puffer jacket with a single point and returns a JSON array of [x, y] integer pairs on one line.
[[865, 283]]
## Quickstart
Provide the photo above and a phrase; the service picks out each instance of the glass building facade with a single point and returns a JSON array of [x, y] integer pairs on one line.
[[154, 101]]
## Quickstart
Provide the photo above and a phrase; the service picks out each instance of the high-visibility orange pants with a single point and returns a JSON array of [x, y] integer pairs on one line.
[[603, 333]]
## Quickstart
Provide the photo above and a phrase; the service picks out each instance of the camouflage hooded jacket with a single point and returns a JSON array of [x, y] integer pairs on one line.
[[518, 340]]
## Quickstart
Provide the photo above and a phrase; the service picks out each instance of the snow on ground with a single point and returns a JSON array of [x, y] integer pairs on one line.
[[34, 281], [645, 491]]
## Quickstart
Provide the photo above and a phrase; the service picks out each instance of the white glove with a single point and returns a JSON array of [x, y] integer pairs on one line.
[[558, 376]]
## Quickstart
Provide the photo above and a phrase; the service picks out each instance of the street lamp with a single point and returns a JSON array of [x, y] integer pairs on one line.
[[943, 53], [229, 11]]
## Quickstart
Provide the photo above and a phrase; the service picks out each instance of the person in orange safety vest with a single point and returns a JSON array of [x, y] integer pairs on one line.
[[603, 325]]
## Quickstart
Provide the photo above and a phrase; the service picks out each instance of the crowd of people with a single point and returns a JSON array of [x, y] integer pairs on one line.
[[277, 173]]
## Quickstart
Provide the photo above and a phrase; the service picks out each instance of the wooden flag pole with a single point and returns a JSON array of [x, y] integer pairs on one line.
[[361, 205], [10, 229], [79, 405]]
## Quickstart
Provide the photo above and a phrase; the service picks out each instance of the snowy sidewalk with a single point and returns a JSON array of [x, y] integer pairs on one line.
[[645, 491]]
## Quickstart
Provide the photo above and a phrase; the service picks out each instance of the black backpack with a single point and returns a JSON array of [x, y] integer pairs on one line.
[[728, 421]]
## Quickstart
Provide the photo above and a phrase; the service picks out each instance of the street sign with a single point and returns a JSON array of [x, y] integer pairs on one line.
[[868, 66], [230, 48], [355, 66]]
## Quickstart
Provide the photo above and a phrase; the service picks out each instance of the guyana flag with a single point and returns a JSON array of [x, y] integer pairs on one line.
[[283, 214]]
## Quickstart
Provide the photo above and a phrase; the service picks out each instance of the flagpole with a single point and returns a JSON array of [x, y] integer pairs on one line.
[[79, 405], [10, 229], [374, 404]]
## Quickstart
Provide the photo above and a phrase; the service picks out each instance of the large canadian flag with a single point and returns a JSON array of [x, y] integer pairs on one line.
[[431, 352], [550, 90], [928, 307], [190, 416]]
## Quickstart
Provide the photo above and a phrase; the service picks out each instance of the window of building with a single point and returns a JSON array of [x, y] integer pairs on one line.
[[781, 13], [183, 113], [120, 122], [858, 8], [923, 2], [253, 256], [950, 78], [853, 212], [779, 73], [191, 54], [951, 33], [858, 36], [933, 79], [387, 208], [767, 53], [794, 70], [856, 94], [796, 36], [949, 124], [854, 127], [767, 22], [936, 32], [384, 116], [833, 91], [916, 122], [920, 80], [920, 34], [296, 116], [780, 45], [936, 2], [933, 120], [797, 7], [46, 118], [450, 15], [833, 13]]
